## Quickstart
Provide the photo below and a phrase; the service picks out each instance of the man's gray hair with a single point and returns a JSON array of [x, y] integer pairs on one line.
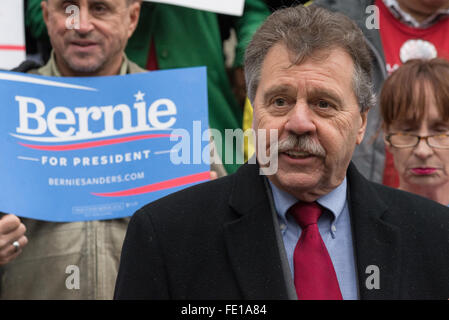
[[305, 31]]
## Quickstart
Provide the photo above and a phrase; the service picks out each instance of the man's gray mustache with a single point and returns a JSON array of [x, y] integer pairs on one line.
[[302, 143]]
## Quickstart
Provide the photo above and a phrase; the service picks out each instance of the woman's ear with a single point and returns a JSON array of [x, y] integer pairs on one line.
[[385, 132]]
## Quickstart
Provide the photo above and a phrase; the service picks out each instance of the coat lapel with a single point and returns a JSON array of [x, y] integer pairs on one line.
[[376, 242], [255, 258], [251, 240]]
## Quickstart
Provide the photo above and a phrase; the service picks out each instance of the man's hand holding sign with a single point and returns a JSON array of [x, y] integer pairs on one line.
[[12, 238], [74, 147]]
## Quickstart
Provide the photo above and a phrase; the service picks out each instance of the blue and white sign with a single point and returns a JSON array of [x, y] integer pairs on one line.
[[76, 149]]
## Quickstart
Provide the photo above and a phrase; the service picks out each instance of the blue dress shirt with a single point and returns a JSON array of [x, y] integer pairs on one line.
[[335, 229]]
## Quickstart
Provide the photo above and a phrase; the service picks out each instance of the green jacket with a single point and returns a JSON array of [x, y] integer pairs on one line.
[[184, 38]]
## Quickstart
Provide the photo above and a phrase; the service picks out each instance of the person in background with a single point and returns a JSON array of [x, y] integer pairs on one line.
[[170, 36], [40, 270], [414, 104]]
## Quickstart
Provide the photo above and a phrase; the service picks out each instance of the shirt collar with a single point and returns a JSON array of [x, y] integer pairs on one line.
[[406, 18], [51, 69], [334, 201]]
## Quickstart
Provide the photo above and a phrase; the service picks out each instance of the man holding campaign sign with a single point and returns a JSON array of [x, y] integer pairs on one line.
[[187, 33], [65, 138]]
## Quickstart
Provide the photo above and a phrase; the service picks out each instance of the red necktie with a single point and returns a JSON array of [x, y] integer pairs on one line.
[[315, 277]]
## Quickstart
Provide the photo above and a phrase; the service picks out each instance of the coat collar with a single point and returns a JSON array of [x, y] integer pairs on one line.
[[376, 242], [251, 240], [252, 248]]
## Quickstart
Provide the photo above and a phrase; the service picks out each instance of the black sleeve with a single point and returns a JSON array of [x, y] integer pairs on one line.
[[141, 272]]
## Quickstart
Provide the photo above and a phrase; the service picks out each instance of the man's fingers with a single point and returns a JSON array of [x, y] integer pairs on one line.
[[8, 238], [10, 252], [9, 223], [23, 241], [7, 257]]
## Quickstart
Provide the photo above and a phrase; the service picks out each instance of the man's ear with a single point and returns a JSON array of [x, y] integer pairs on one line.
[[44, 6], [362, 129], [134, 12]]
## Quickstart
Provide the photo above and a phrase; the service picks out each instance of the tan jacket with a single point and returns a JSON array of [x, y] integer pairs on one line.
[[77, 260]]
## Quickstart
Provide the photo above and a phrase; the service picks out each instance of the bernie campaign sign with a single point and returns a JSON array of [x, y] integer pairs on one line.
[[78, 149]]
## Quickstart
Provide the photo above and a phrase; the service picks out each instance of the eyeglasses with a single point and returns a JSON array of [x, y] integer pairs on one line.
[[405, 140]]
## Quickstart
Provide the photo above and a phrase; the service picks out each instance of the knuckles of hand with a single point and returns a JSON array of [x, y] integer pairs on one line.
[[9, 223], [11, 229]]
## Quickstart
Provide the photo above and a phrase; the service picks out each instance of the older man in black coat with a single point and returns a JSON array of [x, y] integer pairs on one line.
[[301, 222]]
